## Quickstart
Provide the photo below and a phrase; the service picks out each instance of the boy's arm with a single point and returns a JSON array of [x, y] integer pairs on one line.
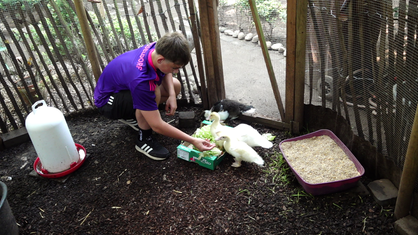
[[171, 103], [153, 118]]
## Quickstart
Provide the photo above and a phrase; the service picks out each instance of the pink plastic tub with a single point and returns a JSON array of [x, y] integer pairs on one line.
[[333, 186]]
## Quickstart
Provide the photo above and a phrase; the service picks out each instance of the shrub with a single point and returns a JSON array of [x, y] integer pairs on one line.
[[269, 12]]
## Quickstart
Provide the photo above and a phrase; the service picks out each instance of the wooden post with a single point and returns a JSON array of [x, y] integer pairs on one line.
[[91, 49], [267, 60], [409, 174], [301, 15], [295, 62], [193, 17], [211, 44]]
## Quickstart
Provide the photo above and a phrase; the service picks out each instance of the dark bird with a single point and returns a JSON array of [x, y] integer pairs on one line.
[[229, 109]]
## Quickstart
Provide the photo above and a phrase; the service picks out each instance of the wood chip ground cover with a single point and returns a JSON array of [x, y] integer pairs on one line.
[[119, 191]]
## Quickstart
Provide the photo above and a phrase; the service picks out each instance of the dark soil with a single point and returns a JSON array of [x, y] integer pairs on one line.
[[119, 191]]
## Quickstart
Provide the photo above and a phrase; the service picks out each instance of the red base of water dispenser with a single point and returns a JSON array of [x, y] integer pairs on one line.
[[74, 166]]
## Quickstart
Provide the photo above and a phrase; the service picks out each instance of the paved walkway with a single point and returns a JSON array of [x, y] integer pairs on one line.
[[246, 76]]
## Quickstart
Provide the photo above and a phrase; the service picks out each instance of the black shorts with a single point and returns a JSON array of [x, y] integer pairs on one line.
[[119, 106]]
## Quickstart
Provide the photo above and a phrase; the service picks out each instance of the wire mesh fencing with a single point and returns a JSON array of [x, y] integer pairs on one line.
[[361, 63]]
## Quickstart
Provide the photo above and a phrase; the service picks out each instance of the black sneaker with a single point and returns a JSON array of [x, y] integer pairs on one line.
[[152, 149], [130, 122]]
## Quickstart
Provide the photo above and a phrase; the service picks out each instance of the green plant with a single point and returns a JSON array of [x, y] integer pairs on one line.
[[269, 12], [23, 4], [301, 193], [278, 169]]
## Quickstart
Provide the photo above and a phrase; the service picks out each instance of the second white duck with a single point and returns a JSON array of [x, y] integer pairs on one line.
[[239, 150], [251, 136]]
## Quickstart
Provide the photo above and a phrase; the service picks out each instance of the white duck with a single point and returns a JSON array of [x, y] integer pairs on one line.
[[239, 150], [243, 132], [251, 136], [216, 127]]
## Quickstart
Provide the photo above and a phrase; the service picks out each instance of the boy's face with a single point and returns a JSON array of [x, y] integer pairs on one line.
[[169, 67]]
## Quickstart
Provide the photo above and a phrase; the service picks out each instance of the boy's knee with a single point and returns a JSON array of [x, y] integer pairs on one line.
[[177, 86]]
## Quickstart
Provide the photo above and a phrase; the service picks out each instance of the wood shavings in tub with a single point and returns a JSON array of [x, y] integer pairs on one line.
[[319, 160]]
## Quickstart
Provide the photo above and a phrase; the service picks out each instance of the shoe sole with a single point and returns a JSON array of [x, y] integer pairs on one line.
[[132, 124], [148, 155]]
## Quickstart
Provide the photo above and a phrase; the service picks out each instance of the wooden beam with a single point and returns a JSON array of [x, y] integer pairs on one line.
[[295, 61], [196, 36], [266, 122], [290, 60], [91, 49], [301, 15], [409, 174], [212, 50]]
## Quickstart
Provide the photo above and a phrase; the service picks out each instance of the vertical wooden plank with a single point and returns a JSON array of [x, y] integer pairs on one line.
[[110, 21], [196, 38], [290, 60], [131, 30], [138, 22], [216, 50], [301, 13], [146, 24], [206, 47], [409, 174], [154, 18], [212, 51], [115, 3], [91, 50]]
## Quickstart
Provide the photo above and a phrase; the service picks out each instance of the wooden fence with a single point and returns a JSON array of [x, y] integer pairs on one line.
[[43, 55]]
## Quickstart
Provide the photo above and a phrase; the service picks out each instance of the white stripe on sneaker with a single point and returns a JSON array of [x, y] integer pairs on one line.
[[146, 148], [130, 122], [147, 153]]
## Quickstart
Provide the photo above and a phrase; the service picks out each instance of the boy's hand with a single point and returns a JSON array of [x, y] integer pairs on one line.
[[171, 106], [203, 145]]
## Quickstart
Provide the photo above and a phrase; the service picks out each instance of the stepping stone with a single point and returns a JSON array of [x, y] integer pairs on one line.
[[186, 119], [249, 37], [407, 225], [278, 47], [384, 192], [241, 36], [255, 39], [228, 32], [268, 44]]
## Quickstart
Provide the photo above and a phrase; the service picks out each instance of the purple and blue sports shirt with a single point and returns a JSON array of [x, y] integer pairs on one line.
[[134, 71]]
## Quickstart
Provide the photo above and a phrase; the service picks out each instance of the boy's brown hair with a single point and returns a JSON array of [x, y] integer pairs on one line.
[[174, 47]]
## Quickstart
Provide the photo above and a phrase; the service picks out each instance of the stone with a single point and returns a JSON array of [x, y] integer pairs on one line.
[[255, 39], [249, 37], [241, 36], [278, 47], [186, 119], [268, 44], [222, 29], [235, 34], [383, 191], [407, 225], [14, 137], [228, 32]]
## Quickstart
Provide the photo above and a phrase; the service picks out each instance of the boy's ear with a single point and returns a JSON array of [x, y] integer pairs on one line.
[[160, 59]]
